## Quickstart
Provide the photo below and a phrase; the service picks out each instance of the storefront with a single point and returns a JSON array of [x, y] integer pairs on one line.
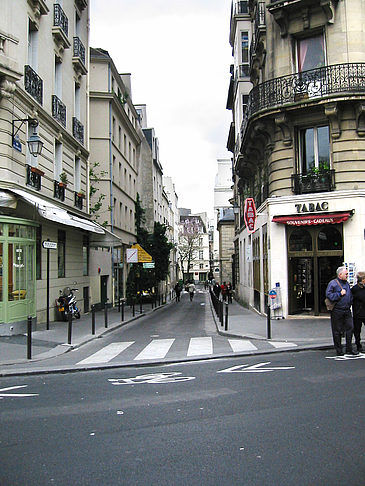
[[17, 274]]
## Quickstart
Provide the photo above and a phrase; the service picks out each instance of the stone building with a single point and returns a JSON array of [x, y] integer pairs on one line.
[[225, 227], [298, 145]]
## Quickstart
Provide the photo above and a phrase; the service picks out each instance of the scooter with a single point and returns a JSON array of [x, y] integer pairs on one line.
[[66, 303]]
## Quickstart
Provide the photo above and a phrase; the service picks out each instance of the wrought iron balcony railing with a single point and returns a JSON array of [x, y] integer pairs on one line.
[[79, 198], [59, 190], [320, 181], [79, 49], [78, 130], [58, 110], [304, 87], [259, 26], [34, 177], [33, 84], [60, 19]]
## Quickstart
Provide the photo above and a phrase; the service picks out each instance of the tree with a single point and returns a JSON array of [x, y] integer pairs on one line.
[[188, 247]]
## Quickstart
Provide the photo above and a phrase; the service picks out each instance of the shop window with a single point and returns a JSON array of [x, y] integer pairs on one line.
[[311, 53], [314, 150], [300, 240], [61, 247], [329, 239]]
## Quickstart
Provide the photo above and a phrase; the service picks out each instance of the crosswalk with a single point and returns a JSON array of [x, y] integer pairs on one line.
[[163, 348]]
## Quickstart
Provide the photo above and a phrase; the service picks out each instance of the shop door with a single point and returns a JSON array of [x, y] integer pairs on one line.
[[302, 298]]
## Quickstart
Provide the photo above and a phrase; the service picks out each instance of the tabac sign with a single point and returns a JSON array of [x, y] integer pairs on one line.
[[250, 214]]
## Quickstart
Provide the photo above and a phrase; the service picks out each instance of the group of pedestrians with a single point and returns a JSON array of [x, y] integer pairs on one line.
[[190, 287], [223, 291], [343, 321]]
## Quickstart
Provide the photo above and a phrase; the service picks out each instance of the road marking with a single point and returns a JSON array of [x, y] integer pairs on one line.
[[107, 353], [346, 357], [158, 348], [241, 345], [256, 368], [16, 395], [277, 344], [200, 346], [152, 378]]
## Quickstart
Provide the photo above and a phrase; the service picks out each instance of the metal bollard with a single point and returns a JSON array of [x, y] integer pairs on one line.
[[133, 310], [268, 315], [159, 300], [140, 304], [93, 319], [226, 320], [69, 334], [29, 338], [221, 312], [106, 316], [122, 310]]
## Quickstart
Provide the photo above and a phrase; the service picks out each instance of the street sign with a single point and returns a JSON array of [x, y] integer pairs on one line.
[[273, 294], [49, 245], [149, 265], [17, 144], [250, 215], [132, 255], [143, 256]]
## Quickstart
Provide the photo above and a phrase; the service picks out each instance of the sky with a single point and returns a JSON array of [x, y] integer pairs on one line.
[[179, 56]]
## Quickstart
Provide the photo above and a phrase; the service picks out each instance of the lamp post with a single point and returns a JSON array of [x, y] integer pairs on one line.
[[35, 144]]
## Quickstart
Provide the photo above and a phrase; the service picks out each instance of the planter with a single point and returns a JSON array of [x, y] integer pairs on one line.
[[35, 170]]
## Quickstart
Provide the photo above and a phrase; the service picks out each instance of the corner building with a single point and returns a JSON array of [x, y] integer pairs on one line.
[[298, 144]]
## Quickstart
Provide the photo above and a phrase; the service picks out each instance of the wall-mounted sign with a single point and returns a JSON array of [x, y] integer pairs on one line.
[[49, 245], [132, 255], [312, 207], [17, 144], [250, 215]]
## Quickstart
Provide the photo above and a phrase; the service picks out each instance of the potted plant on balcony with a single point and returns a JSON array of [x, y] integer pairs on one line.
[[81, 194], [63, 179], [37, 171]]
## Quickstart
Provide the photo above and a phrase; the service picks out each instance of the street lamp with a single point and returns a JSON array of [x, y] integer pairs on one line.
[[35, 144], [236, 208]]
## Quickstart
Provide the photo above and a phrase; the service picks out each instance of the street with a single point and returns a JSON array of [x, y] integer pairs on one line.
[[281, 419]]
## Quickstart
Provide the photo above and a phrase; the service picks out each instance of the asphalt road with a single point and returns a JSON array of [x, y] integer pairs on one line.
[[220, 422]]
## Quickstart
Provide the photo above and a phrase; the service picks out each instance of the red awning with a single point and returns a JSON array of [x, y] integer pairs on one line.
[[312, 219]]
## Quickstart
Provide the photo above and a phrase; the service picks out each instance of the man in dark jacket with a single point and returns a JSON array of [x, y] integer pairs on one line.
[[358, 307], [338, 291]]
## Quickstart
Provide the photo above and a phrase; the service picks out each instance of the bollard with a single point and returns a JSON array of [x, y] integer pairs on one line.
[[133, 309], [268, 322], [69, 337], [226, 321], [93, 319], [221, 312], [106, 316], [119, 304], [159, 300], [29, 338], [122, 310], [140, 304]]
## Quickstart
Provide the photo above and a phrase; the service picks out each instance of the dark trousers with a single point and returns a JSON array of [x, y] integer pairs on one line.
[[341, 322], [358, 321]]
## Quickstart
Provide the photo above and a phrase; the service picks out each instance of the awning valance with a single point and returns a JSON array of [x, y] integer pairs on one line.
[[313, 219]]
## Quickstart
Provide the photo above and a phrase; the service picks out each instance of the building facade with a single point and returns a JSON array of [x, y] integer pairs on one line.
[[43, 97], [299, 149]]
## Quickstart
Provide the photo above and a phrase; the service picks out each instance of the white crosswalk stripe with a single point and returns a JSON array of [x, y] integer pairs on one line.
[[200, 346], [107, 353], [157, 349], [238, 345], [277, 344]]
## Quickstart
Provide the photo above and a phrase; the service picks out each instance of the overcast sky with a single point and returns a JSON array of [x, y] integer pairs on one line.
[[179, 55]]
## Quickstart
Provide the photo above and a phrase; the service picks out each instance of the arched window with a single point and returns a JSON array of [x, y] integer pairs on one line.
[[300, 240], [329, 239]]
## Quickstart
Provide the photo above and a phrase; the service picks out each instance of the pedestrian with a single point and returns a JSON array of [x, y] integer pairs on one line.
[[229, 292], [358, 307], [177, 289], [217, 290], [339, 293], [191, 291], [224, 291]]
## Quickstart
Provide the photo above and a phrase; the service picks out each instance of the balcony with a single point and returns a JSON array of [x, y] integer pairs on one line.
[[59, 190], [79, 200], [58, 110], [60, 27], [241, 8], [34, 177], [33, 84], [305, 87], [78, 130], [318, 181], [78, 59], [257, 48]]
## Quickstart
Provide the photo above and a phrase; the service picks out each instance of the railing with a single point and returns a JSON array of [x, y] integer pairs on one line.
[[59, 190], [33, 84], [259, 25], [78, 200], [78, 130], [79, 49], [60, 19], [321, 181], [34, 177], [241, 8], [58, 110], [305, 86]]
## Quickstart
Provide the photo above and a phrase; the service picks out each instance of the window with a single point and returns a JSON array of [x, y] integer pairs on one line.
[[85, 255], [310, 53], [300, 240], [244, 55], [77, 101], [244, 104], [38, 250], [61, 248], [58, 78], [314, 149], [201, 255], [77, 174], [32, 46], [58, 161]]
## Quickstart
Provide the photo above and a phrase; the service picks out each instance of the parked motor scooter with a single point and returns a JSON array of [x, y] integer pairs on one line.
[[66, 303]]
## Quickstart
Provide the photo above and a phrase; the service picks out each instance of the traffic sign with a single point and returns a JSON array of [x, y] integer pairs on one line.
[[273, 294], [132, 255], [49, 245], [143, 256]]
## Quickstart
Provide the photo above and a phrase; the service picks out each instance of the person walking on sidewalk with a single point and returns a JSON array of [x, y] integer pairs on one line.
[[177, 289], [358, 307], [338, 291], [229, 292], [191, 291]]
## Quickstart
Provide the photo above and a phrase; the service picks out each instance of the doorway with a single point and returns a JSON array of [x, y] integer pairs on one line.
[[314, 254], [104, 290]]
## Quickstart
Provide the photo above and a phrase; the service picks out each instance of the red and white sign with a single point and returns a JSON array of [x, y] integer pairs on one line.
[[250, 215]]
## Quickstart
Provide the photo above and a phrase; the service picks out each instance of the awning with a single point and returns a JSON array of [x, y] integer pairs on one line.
[[313, 219], [99, 237]]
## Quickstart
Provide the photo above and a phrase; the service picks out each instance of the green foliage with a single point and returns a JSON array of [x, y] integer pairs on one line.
[[95, 177]]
